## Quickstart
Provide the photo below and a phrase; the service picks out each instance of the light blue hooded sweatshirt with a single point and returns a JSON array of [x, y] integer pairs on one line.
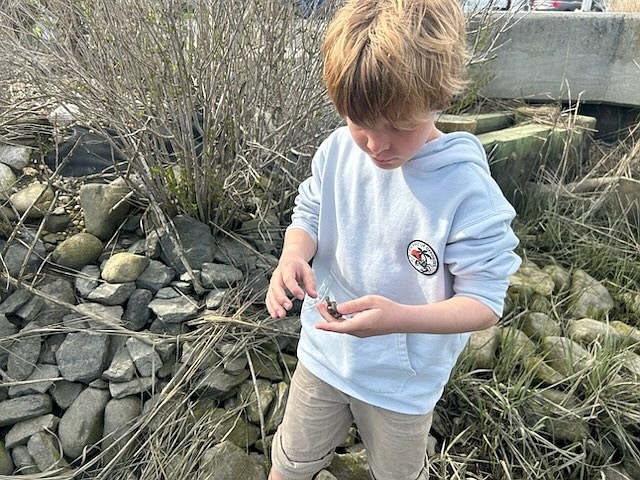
[[437, 227]]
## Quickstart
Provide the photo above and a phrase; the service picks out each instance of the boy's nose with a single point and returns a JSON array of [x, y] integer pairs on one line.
[[377, 145]]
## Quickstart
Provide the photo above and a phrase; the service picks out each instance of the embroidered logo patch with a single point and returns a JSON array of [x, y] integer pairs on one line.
[[422, 257]]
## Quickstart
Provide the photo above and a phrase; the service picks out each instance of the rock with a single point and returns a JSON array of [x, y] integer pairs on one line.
[[616, 473], [198, 244], [23, 461], [353, 466], [530, 279], [77, 251], [566, 356], [257, 397], [57, 223], [34, 200], [82, 356], [20, 432], [145, 357], [525, 351], [518, 343], [215, 298], [232, 427], [324, 475], [87, 280], [631, 364], [19, 255], [6, 227], [266, 365], [482, 347], [43, 309], [64, 393], [84, 152], [111, 294], [226, 461], [122, 368], [99, 315], [7, 179], [7, 329], [16, 157], [589, 298], [288, 329], [156, 276], [276, 412], [6, 462], [632, 302], [24, 352], [39, 381], [13, 302], [555, 410], [19, 409], [231, 252], [218, 275], [588, 330], [629, 334], [632, 466], [234, 359], [104, 207], [453, 123], [124, 267], [81, 424], [133, 387], [216, 383], [538, 325], [137, 313], [174, 310], [64, 115], [44, 449], [119, 416]]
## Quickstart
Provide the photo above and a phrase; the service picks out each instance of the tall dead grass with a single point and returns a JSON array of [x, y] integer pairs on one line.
[[624, 6]]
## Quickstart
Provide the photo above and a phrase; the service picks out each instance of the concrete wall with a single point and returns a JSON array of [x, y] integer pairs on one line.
[[594, 57]]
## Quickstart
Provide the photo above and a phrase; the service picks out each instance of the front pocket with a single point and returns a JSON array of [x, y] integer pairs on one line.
[[378, 364]]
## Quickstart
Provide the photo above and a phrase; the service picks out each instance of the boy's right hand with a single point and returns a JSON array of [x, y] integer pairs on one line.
[[293, 274]]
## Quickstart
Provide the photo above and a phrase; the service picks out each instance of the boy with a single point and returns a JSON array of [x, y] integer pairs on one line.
[[408, 233]]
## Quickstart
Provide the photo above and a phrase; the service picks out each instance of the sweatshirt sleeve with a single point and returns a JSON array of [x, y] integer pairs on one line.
[[481, 258], [306, 210]]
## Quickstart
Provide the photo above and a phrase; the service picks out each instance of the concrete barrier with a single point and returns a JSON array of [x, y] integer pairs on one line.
[[569, 56]]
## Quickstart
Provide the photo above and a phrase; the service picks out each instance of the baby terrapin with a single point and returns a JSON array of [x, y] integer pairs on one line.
[[332, 308]]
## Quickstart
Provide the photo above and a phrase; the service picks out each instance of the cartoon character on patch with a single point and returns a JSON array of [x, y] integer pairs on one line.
[[422, 257]]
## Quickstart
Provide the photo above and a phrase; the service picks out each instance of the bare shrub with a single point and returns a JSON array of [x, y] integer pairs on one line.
[[202, 98]]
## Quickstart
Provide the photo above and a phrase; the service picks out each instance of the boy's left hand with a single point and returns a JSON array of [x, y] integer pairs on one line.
[[363, 317]]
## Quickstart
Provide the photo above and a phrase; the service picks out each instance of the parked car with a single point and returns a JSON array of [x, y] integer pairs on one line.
[[564, 5]]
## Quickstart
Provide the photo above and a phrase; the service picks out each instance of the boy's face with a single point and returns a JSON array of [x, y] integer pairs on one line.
[[390, 147]]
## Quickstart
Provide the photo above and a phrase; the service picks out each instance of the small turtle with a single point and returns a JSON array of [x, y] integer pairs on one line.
[[332, 308]]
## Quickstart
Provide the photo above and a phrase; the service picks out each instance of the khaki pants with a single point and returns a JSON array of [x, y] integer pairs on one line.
[[317, 419]]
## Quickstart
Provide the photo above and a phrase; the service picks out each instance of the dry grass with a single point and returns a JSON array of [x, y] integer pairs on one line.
[[625, 6]]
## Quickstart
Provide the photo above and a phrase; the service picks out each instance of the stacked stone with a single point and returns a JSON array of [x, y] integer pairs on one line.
[[83, 354]]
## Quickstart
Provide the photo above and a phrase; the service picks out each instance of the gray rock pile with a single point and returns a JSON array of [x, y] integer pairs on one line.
[[101, 323]]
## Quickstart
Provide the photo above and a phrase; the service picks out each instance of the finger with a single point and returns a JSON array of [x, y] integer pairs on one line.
[[309, 282], [335, 326], [277, 297], [275, 309], [291, 283], [358, 305]]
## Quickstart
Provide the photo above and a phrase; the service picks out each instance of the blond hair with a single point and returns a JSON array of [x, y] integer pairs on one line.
[[396, 59]]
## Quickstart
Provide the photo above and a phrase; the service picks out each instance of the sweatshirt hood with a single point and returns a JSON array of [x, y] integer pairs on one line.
[[460, 147]]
